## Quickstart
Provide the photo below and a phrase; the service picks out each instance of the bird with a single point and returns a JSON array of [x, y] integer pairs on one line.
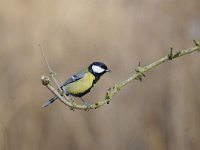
[[82, 82]]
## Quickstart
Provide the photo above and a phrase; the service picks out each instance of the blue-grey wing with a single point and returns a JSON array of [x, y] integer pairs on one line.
[[74, 78]]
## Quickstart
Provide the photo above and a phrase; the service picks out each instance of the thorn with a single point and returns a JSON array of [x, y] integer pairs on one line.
[[197, 43], [139, 64], [170, 55], [141, 74]]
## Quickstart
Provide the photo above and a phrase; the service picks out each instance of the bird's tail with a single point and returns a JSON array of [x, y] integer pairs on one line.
[[50, 101]]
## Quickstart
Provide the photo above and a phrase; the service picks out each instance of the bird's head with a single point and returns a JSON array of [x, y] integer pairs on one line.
[[98, 68]]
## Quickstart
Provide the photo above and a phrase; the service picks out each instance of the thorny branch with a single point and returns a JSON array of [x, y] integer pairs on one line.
[[139, 73]]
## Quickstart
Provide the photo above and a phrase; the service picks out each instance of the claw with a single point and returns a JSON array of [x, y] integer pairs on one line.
[[88, 107], [87, 104]]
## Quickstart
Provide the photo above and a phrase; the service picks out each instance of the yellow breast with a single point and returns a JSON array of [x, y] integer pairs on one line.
[[82, 85]]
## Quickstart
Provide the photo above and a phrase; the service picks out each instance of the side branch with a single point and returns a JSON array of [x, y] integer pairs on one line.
[[140, 71]]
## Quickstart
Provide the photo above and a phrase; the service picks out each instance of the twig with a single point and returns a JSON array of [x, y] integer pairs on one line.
[[49, 68], [117, 87], [53, 74]]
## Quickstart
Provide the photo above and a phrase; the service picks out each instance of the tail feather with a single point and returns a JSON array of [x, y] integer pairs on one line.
[[47, 103]]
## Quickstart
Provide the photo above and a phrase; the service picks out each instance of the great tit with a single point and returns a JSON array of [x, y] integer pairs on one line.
[[81, 83]]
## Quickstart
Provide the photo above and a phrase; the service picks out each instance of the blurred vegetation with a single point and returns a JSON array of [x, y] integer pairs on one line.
[[160, 113]]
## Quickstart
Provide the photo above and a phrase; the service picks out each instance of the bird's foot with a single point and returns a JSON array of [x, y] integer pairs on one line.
[[88, 105]]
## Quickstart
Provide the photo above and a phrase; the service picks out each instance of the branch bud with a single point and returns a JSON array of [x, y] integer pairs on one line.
[[45, 80]]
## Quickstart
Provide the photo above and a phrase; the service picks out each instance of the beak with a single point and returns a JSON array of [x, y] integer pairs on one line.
[[108, 70]]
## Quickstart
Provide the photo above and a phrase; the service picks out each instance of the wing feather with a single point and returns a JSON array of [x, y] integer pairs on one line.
[[75, 77]]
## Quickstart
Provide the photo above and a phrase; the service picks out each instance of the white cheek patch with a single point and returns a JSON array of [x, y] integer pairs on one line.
[[97, 69]]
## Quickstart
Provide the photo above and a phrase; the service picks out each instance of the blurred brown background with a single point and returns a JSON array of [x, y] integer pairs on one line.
[[160, 113]]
